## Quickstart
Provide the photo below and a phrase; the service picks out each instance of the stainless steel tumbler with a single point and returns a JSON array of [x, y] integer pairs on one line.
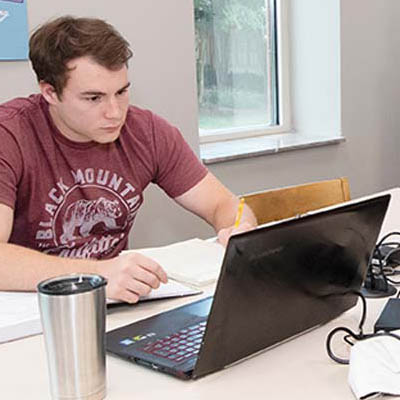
[[73, 310]]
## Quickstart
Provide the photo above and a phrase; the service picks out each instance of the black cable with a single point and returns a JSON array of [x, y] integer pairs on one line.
[[329, 339], [393, 282], [391, 244], [350, 333], [390, 253], [356, 336], [386, 236], [380, 267], [384, 260], [389, 270]]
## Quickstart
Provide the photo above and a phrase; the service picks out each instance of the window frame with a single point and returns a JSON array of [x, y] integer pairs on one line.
[[283, 87]]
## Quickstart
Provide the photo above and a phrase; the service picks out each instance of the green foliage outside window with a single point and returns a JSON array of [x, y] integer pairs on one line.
[[231, 57]]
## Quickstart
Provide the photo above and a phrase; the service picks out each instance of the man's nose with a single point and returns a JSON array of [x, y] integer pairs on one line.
[[113, 109]]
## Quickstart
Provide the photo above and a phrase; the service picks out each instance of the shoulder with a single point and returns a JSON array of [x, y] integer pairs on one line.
[[146, 120], [23, 122], [24, 118], [152, 131], [20, 107], [137, 116]]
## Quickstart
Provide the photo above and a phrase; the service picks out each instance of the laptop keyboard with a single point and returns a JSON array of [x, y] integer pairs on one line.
[[179, 346]]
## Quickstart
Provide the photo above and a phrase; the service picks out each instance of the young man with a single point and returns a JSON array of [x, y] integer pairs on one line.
[[75, 160]]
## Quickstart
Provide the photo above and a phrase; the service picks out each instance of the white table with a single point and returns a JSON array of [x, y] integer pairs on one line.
[[299, 368]]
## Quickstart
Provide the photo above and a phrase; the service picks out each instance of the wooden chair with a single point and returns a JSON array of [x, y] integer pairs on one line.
[[276, 204]]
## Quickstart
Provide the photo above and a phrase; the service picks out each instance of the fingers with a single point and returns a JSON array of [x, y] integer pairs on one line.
[[246, 226], [127, 289], [149, 271], [122, 295], [226, 233], [223, 236], [153, 267], [134, 290], [131, 276], [137, 287]]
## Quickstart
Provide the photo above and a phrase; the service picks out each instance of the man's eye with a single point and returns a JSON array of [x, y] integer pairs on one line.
[[93, 98], [122, 92]]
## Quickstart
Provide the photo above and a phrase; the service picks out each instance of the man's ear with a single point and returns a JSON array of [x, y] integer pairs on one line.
[[48, 92]]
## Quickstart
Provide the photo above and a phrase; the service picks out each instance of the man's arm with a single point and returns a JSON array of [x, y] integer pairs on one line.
[[129, 276], [213, 202]]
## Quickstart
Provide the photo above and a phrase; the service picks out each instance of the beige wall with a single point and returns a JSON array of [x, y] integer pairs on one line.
[[163, 75]]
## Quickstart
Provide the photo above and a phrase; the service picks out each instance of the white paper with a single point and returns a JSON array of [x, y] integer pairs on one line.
[[20, 317], [166, 290]]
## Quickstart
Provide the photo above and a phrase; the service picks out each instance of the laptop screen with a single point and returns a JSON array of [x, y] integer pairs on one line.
[[284, 279]]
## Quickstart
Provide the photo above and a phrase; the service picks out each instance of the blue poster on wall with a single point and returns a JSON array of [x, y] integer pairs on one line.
[[13, 30]]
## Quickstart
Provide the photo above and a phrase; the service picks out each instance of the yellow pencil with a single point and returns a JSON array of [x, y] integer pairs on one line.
[[239, 212]]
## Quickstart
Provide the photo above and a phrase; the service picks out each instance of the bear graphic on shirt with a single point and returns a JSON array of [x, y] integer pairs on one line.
[[85, 214]]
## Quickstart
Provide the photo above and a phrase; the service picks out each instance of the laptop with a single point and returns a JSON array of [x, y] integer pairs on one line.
[[276, 282]]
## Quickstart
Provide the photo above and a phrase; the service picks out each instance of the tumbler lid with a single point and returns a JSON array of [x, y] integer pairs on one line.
[[71, 284]]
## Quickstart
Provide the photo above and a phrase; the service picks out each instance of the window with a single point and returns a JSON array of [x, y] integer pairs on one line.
[[239, 80]]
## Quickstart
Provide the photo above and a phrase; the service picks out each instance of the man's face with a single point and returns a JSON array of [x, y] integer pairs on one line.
[[93, 104]]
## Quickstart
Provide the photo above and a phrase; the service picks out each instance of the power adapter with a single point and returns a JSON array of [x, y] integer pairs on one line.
[[389, 319]]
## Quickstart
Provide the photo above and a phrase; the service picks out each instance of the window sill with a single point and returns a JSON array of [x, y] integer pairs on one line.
[[212, 153]]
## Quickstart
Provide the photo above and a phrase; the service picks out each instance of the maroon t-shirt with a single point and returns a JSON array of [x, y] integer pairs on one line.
[[80, 199]]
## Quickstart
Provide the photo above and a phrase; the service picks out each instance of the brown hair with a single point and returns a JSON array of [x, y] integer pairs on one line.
[[57, 42]]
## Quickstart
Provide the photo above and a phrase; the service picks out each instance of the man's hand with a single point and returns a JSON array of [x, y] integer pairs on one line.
[[225, 233], [131, 276]]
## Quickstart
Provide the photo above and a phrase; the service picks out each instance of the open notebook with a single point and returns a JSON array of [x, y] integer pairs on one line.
[[196, 262]]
